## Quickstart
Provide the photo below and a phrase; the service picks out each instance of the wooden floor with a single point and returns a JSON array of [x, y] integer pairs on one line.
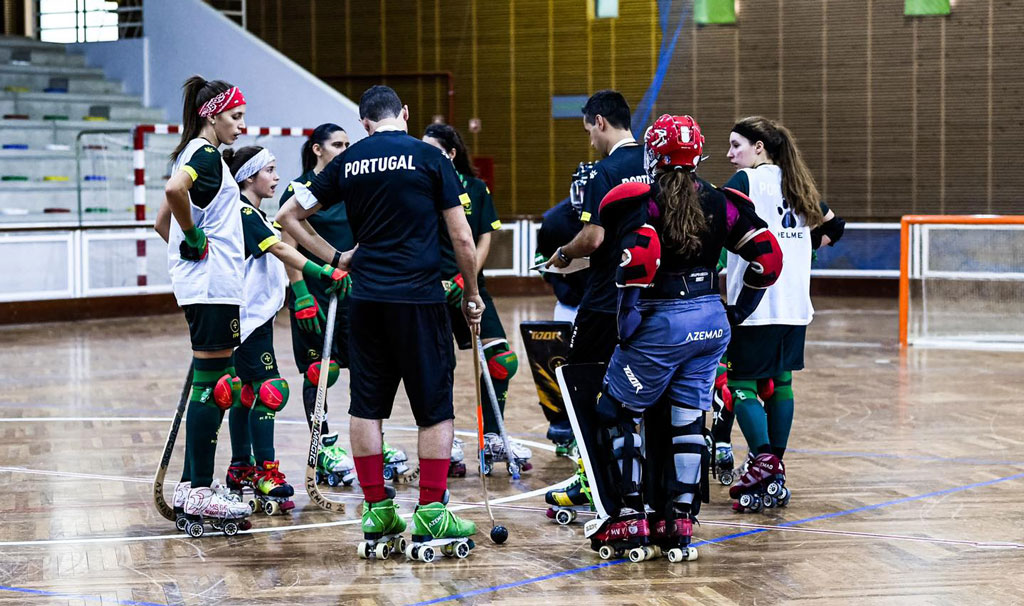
[[907, 475]]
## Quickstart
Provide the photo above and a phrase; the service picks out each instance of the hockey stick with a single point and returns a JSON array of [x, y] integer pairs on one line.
[[498, 533], [513, 465], [166, 510], [318, 415]]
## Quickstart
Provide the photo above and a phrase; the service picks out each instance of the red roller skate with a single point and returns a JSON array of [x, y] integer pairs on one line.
[[762, 485]]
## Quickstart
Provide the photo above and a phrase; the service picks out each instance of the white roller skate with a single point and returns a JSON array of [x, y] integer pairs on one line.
[[396, 468], [333, 464], [205, 506], [457, 466], [180, 496], [494, 452]]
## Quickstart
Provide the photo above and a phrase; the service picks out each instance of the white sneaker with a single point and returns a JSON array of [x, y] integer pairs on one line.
[[496, 446], [458, 453], [207, 503], [224, 491]]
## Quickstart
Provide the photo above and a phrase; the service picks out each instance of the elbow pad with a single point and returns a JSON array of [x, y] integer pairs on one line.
[[761, 250], [833, 228]]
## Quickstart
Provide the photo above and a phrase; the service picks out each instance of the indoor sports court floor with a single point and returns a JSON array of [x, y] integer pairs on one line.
[[907, 475]]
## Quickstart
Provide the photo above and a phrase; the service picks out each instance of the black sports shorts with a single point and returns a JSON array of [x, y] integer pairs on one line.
[[254, 360], [308, 346], [392, 342], [762, 352], [490, 324], [213, 326]]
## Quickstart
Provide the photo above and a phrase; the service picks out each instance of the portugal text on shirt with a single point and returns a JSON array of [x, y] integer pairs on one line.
[[376, 165]]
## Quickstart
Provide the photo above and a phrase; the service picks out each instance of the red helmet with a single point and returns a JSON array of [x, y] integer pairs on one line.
[[673, 141]]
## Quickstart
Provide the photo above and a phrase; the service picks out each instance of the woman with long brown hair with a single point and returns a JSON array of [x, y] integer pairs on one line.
[[672, 330], [769, 345]]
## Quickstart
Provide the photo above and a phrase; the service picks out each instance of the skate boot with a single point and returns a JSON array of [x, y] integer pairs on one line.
[[271, 494], [204, 506], [239, 477], [560, 434], [396, 466], [724, 464], [333, 465], [494, 452], [673, 537], [567, 502], [178, 503], [762, 485], [457, 467], [629, 533], [382, 529], [437, 529]]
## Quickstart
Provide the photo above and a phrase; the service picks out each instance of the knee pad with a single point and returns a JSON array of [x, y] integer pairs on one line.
[[313, 373], [784, 386], [227, 391], [690, 459], [502, 363], [248, 395], [273, 393], [618, 429], [742, 391], [765, 389]]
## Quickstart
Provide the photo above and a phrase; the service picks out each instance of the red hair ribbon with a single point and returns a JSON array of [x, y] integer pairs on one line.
[[232, 97]]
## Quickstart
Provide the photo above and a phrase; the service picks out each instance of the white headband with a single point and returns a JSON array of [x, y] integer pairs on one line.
[[254, 165]]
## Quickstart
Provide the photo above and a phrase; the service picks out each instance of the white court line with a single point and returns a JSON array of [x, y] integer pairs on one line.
[[78, 541], [873, 344]]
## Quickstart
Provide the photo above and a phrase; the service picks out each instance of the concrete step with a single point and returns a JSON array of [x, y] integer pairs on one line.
[[62, 71], [20, 198], [75, 85], [38, 107]]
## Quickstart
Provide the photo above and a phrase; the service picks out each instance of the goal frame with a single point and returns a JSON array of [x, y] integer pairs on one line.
[[906, 224]]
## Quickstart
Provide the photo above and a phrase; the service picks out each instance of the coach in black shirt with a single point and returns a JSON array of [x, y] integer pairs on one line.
[[606, 119], [394, 187]]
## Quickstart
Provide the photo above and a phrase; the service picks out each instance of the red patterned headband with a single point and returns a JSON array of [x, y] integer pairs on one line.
[[232, 97]]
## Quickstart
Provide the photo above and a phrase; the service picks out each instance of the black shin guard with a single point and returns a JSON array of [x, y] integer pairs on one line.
[[619, 438], [687, 484]]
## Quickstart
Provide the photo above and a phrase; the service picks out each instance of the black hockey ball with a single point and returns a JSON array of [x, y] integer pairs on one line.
[[499, 534]]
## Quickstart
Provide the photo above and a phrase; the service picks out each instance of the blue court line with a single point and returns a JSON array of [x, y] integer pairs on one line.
[[729, 537], [75, 596]]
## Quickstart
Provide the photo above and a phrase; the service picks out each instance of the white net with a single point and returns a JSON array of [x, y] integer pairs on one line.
[[966, 286], [105, 165]]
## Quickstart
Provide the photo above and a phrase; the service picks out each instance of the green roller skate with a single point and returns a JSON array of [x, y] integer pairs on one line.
[[567, 502], [333, 464], [396, 468], [382, 529], [437, 529]]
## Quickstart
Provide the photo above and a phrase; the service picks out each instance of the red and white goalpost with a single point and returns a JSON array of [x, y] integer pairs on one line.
[[962, 281]]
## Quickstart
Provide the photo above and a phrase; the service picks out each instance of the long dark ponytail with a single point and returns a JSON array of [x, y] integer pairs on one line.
[[684, 217], [449, 138], [196, 91], [320, 134]]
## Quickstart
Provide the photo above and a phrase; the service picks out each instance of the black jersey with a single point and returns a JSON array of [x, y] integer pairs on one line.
[[482, 218], [560, 225], [624, 165], [394, 187], [331, 223]]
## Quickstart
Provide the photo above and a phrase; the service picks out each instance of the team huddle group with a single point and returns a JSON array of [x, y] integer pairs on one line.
[[392, 233]]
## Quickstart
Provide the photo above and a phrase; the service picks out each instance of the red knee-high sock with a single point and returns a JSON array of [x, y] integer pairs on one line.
[[370, 470], [433, 480]]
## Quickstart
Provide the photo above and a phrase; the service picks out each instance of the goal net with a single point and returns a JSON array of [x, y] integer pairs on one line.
[[962, 281]]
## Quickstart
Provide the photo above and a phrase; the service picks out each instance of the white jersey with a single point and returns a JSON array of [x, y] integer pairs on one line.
[[218, 277], [788, 301], [265, 277]]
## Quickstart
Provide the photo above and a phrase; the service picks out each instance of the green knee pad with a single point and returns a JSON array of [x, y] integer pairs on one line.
[[502, 362], [783, 386], [272, 393], [312, 374]]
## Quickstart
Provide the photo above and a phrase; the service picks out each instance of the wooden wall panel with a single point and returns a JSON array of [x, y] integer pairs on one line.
[[893, 114]]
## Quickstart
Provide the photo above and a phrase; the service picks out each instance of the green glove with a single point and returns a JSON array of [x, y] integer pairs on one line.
[[195, 245], [453, 290], [333, 279], [307, 313]]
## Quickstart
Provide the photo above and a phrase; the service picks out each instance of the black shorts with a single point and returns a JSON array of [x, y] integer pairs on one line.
[[392, 342], [254, 360], [761, 352], [594, 337], [307, 346], [490, 324], [213, 326]]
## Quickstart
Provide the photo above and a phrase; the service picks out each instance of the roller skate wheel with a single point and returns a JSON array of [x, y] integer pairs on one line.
[[381, 551], [746, 500], [348, 482], [447, 550], [389, 473], [271, 507], [411, 552], [230, 529], [565, 516], [427, 554], [244, 525], [550, 513], [773, 489], [254, 505], [691, 554], [462, 551], [757, 505], [726, 478], [402, 544], [180, 523], [784, 499], [605, 552], [332, 480], [362, 550], [675, 555], [486, 469], [769, 501], [637, 554], [195, 529]]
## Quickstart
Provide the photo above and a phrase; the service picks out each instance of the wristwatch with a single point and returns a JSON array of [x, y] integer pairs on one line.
[[562, 256]]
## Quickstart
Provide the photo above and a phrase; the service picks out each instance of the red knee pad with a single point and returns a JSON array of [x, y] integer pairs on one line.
[[226, 390], [313, 373], [274, 393], [765, 389], [248, 395]]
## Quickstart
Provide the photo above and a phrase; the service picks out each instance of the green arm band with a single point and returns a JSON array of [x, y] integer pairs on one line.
[[193, 236], [300, 289], [311, 270]]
